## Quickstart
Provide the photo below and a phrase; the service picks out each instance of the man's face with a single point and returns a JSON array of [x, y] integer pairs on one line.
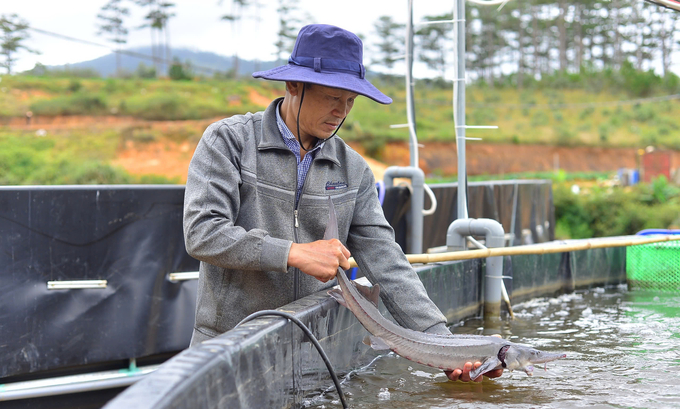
[[323, 109]]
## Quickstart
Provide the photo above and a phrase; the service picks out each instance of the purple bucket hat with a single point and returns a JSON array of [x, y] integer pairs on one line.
[[330, 56]]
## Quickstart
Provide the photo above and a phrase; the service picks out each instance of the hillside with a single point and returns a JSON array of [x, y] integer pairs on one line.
[[204, 63], [150, 127]]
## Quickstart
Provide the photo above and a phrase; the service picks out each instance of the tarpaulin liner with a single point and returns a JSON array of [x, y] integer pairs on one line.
[[265, 363], [130, 236], [523, 207]]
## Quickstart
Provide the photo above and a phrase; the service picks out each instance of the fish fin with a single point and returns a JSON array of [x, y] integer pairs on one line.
[[376, 343], [488, 365], [339, 297], [332, 226], [372, 294]]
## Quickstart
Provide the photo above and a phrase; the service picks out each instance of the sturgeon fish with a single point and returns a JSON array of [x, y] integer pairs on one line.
[[446, 352]]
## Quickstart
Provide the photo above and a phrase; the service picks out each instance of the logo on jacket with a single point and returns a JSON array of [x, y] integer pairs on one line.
[[336, 185]]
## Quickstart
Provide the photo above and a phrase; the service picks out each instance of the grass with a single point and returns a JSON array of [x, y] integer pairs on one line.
[[557, 177], [566, 111], [558, 111], [540, 115], [63, 158]]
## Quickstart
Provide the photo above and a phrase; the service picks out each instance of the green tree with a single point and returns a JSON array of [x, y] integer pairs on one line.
[[111, 17], [145, 72], [157, 21], [289, 25], [179, 71], [432, 39], [665, 25], [13, 31], [486, 41], [390, 46]]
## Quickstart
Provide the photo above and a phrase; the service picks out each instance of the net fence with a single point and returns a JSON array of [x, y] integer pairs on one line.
[[654, 266]]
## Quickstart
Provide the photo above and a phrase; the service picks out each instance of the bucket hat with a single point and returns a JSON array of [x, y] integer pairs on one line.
[[330, 56]]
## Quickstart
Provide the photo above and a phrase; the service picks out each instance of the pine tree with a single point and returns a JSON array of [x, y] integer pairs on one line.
[[14, 32], [390, 46], [435, 43], [157, 21], [289, 25], [111, 16]]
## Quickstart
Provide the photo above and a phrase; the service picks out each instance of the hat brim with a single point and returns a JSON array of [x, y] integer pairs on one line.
[[346, 81]]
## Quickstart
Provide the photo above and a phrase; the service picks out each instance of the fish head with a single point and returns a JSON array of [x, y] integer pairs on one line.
[[524, 358]]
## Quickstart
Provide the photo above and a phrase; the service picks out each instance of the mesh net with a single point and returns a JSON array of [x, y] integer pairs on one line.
[[654, 266]]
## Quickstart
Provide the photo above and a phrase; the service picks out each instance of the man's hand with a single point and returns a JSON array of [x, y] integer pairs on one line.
[[319, 259], [464, 374]]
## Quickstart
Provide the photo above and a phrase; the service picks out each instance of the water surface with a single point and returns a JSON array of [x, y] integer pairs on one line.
[[623, 351]]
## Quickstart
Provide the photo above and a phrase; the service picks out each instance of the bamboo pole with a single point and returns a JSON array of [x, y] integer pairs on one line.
[[542, 248]]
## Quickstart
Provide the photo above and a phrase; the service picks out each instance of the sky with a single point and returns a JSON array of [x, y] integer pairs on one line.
[[196, 25]]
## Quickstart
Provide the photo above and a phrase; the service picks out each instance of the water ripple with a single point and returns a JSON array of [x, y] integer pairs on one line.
[[623, 351]]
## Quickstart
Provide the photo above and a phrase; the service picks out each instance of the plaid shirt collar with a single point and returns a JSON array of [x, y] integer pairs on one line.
[[290, 139], [303, 164]]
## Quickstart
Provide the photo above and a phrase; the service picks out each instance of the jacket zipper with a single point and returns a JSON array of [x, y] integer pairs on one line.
[[296, 278]]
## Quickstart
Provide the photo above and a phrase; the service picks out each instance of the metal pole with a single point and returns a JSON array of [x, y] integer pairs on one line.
[[459, 105], [410, 103]]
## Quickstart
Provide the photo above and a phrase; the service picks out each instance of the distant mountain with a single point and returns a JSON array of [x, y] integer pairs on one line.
[[203, 62]]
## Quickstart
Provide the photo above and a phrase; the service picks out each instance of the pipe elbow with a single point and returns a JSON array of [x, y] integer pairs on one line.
[[493, 231], [458, 230], [416, 175], [456, 233]]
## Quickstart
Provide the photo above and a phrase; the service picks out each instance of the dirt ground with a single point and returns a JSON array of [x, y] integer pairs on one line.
[[171, 158], [497, 159]]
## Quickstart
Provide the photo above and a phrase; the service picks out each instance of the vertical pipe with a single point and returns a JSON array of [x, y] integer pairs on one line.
[[410, 103], [494, 236], [417, 204], [459, 105]]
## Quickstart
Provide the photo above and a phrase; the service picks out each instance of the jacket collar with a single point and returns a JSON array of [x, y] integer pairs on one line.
[[272, 139]]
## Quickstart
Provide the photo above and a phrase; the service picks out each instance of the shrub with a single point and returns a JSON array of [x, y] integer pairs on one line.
[[540, 118], [564, 136], [603, 212], [145, 72], [570, 213], [169, 106], [643, 113], [586, 113], [639, 83], [483, 116], [604, 131], [77, 104], [180, 72]]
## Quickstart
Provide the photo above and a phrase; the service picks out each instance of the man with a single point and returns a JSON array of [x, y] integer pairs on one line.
[[256, 201]]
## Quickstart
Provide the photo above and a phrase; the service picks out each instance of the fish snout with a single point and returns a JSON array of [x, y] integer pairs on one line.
[[546, 357]]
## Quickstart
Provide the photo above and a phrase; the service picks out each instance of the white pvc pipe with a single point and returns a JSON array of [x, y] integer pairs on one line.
[[73, 384]]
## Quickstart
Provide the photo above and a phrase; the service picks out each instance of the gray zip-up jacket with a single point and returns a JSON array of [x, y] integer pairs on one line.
[[240, 220]]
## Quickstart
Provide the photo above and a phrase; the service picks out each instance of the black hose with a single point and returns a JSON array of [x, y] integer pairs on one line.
[[311, 338]]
